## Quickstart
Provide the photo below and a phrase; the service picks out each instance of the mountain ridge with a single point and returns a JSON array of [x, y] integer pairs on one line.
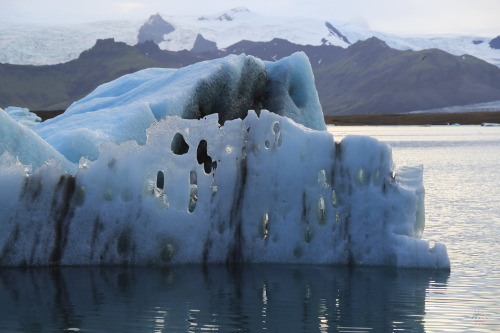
[[43, 45], [367, 77]]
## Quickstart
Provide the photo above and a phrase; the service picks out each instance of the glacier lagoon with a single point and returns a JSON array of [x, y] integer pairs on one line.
[[461, 177], [140, 202]]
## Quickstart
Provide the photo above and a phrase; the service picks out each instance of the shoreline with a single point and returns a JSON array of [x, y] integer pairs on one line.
[[466, 118]]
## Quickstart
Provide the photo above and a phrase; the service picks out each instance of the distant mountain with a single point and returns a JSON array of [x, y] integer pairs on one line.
[[495, 43], [37, 44], [54, 87], [154, 29], [373, 78], [203, 45], [367, 77]]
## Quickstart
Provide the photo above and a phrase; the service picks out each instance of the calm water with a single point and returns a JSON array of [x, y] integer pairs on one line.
[[462, 181]]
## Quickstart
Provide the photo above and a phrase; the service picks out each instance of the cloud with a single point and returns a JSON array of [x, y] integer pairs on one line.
[[128, 7]]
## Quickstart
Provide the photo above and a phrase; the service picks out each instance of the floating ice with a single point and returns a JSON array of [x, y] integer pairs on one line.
[[19, 141], [23, 116], [232, 186]]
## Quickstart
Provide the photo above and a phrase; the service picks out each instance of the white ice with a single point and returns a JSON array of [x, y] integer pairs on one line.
[[260, 187]]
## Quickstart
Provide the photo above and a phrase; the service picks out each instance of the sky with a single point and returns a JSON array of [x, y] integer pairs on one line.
[[474, 17]]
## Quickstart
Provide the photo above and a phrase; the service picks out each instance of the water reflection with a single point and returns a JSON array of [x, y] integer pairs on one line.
[[196, 298]]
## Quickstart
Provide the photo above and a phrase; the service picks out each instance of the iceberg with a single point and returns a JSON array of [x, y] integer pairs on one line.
[[23, 116], [224, 161]]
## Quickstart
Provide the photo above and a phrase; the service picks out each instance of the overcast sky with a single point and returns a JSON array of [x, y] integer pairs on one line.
[[398, 16]]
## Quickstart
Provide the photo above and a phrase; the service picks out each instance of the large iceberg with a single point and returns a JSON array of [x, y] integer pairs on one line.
[[189, 166]]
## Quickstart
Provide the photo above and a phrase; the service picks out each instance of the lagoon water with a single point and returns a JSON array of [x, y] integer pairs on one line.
[[462, 182]]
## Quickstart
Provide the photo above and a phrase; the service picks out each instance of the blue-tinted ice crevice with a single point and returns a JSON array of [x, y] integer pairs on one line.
[[259, 186]]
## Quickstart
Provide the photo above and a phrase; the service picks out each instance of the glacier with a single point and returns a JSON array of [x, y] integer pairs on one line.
[[225, 161]]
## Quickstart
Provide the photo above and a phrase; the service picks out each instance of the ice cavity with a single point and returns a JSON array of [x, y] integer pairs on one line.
[[263, 189], [123, 109]]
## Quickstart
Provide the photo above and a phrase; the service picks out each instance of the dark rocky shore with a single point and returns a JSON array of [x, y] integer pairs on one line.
[[471, 118]]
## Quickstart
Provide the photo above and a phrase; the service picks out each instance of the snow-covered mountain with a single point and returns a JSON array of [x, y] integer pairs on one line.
[[25, 44], [41, 45]]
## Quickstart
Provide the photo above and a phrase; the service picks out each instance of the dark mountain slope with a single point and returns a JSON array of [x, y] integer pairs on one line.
[[278, 48], [154, 29], [57, 86], [366, 78], [374, 78], [495, 43]]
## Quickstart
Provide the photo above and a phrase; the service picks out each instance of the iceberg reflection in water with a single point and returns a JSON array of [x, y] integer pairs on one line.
[[278, 298]]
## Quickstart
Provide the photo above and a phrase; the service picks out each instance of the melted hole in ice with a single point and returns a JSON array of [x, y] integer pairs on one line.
[[277, 134], [214, 186], [193, 190], [276, 128], [298, 252], [107, 193], [267, 144], [376, 177], [360, 176], [322, 178], [321, 211], [79, 195], [203, 158], [179, 145], [160, 180], [308, 235], [167, 250], [112, 163], [334, 199], [264, 226]]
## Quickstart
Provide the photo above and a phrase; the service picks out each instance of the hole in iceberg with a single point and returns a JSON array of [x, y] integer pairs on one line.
[[160, 180], [334, 199], [360, 176], [322, 178], [321, 211], [179, 145], [203, 158], [264, 226], [193, 191], [277, 134]]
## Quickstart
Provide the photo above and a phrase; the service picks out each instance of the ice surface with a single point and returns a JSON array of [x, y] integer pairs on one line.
[[235, 185], [23, 116], [22, 143]]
